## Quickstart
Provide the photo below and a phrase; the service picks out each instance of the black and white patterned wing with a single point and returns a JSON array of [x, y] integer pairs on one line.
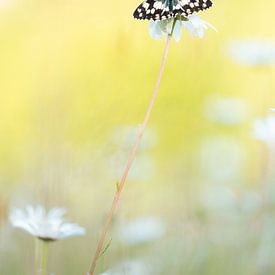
[[164, 9], [188, 7], [152, 10]]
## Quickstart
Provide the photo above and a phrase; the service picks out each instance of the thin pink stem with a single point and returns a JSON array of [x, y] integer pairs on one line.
[[130, 161]]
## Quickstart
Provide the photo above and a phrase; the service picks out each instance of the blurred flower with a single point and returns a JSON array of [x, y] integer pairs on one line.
[[226, 110], [264, 129], [253, 52], [47, 227], [219, 199], [272, 110], [130, 267], [222, 159], [196, 26], [142, 230], [193, 24]]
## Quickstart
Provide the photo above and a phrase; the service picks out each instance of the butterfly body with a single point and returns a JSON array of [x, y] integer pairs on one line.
[[164, 9]]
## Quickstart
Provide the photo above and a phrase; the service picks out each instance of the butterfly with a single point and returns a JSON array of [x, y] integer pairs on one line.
[[164, 9]]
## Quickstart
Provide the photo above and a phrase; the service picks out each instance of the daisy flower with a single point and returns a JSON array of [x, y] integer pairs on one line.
[[193, 24], [264, 129], [226, 110], [130, 267], [253, 52], [49, 226], [142, 230]]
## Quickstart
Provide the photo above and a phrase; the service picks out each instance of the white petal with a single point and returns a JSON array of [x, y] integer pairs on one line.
[[52, 226], [56, 213], [70, 230], [177, 31], [196, 26], [155, 30]]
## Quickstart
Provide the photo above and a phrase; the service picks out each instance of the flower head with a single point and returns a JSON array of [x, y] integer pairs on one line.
[[47, 227], [264, 129], [193, 24], [131, 267], [226, 110], [142, 230], [214, 166], [253, 52]]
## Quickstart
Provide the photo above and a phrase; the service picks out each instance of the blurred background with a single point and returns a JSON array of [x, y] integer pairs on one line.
[[76, 78]]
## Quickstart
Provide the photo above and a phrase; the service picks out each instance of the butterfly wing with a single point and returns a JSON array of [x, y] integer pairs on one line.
[[160, 10], [188, 7], [152, 10]]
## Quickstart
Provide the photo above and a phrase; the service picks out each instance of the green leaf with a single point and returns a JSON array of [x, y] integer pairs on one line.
[[105, 248]]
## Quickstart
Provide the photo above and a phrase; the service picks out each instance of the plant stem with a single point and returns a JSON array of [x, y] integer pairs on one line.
[[37, 260], [173, 26], [44, 258], [121, 183]]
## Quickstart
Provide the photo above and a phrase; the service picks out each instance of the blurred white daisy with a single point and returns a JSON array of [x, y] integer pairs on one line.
[[49, 226], [264, 129], [130, 267], [142, 230], [219, 199], [226, 110], [222, 159], [253, 52], [193, 24]]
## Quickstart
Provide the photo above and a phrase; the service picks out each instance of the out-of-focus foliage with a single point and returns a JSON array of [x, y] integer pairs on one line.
[[75, 80]]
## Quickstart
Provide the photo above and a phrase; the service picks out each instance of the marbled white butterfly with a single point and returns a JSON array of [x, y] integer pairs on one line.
[[164, 9]]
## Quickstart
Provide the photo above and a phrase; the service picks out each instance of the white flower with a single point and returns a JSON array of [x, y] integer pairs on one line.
[[226, 110], [219, 199], [142, 230], [194, 24], [253, 52], [217, 168], [47, 227], [264, 129], [130, 267]]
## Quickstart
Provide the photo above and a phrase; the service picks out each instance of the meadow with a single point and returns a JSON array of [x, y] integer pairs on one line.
[[76, 78]]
